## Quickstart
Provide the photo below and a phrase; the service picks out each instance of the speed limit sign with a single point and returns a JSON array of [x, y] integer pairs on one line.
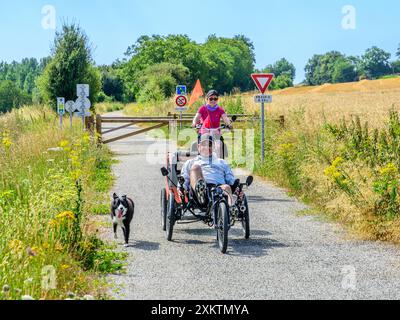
[[181, 101]]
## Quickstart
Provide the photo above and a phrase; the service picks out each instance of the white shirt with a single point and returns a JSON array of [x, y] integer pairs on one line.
[[215, 171]]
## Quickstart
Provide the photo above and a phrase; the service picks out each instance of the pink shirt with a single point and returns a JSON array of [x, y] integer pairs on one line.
[[210, 117]]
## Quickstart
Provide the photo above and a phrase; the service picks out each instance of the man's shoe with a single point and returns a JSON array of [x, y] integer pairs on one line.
[[201, 188]]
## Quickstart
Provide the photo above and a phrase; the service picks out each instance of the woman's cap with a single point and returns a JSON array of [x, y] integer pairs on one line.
[[212, 93]]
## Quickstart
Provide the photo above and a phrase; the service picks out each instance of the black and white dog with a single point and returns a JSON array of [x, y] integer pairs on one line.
[[122, 211]]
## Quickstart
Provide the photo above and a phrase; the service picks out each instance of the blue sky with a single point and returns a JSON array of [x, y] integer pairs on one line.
[[285, 28]]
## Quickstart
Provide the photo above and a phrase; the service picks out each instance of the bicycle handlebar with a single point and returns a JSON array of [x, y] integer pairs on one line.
[[198, 127]]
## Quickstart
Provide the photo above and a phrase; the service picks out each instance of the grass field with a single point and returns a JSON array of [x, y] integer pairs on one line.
[[102, 108], [370, 100], [51, 181], [340, 151]]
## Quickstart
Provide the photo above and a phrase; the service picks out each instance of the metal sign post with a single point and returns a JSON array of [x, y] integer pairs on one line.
[[262, 132], [83, 106], [262, 82], [70, 108], [83, 103], [181, 102], [61, 109]]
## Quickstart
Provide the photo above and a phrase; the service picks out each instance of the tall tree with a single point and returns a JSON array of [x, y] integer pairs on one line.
[[344, 71], [23, 73], [229, 63], [395, 65], [220, 63], [71, 63], [375, 63], [284, 72], [159, 81], [112, 83], [282, 67], [148, 51], [329, 68]]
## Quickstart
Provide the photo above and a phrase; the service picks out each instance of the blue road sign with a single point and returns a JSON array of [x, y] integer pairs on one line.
[[181, 90]]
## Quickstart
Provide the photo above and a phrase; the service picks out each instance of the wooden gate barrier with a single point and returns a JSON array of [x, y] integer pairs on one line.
[[156, 123]]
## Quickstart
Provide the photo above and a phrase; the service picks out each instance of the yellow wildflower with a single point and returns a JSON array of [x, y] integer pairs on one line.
[[76, 174], [74, 158], [64, 143], [16, 246], [86, 138], [285, 149], [332, 171], [36, 250], [58, 247], [337, 162], [53, 223], [6, 141], [67, 215], [389, 170], [337, 175]]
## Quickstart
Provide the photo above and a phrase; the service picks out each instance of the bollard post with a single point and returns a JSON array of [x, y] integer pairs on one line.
[[89, 124], [282, 122], [98, 129]]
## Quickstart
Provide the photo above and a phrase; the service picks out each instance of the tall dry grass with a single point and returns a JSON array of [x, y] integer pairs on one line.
[[339, 151], [371, 100], [106, 107], [48, 179]]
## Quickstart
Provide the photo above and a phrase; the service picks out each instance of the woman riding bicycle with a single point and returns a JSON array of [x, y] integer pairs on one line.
[[210, 116]]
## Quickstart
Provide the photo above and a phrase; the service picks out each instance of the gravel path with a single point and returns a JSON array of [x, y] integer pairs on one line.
[[288, 256]]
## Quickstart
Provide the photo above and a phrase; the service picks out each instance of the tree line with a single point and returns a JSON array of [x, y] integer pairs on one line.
[[17, 82], [154, 65], [335, 67]]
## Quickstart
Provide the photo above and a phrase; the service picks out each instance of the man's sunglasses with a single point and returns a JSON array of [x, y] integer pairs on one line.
[[213, 99]]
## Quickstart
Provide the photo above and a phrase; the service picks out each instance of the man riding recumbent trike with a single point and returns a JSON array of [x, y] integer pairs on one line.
[[204, 189]]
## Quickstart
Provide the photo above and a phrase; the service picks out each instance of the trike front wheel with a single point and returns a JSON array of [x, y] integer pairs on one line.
[[223, 224], [170, 218]]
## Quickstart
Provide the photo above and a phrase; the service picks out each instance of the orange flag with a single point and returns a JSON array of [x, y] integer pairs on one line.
[[196, 94]]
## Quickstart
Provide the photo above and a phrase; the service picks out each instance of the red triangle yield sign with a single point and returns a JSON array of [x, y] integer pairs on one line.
[[262, 80]]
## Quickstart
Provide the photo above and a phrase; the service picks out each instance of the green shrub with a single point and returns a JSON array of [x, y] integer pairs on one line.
[[233, 105], [12, 97]]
